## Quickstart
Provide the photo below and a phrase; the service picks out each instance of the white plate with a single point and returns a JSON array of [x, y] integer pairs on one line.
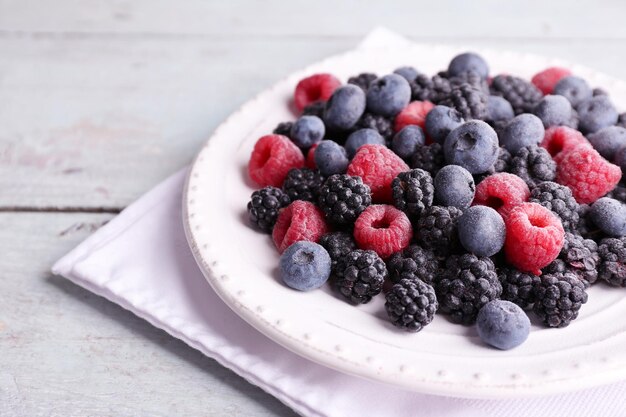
[[444, 358]]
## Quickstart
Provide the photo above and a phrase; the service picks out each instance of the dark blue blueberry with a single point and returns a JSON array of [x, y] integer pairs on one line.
[[440, 121], [553, 111], [406, 141], [620, 159], [331, 158], [362, 137], [344, 108], [499, 109], [596, 113], [502, 324], [305, 266], [468, 61], [473, 145], [388, 95], [307, 131], [573, 88], [454, 186], [409, 73], [481, 231], [523, 130], [608, 141], [610, 216]]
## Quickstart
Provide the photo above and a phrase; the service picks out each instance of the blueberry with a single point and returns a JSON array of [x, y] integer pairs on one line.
[[305, 266], [502, 324], [362, 137], [409, 73], [481, 231], [388, 95], [473, 145], [608, 141], [307, 131], [596, 113], [499, 109], [331, 158], [620, 159], [468, 61], [406, 141], [610, 216], [523, 130], [553, 111], [454, 186], [440, 121], [575, 89], [344, 108]]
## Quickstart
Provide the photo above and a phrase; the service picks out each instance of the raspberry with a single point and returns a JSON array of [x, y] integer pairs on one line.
[[383, 229], [301, 220], [271, 160], [560, 140], [534, 237], [413, 114], [377, 166], [318, 87], [547, 79], [310, 157], [501, 192], [587, 174]]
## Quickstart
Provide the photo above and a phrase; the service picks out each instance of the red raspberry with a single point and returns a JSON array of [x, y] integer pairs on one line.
[[310, 157], [587, 174], [272, 158], [377, 166], [534, 237], [413, 114], [301, 220], [549, 77], [318, 87], [501, 192], [383, 229], [560, 140]]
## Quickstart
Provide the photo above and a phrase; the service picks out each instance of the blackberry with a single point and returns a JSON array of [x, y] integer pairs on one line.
[[579, 256], [342, 198], [522, 95], [468, 100], [338, 245], [468, 283], [470, 77], [264, 206], [429, 158], [432, 89], [411, 304], [303, 184], [618, 193], [621, 120], [533, 164], [363, 80], [381, 124], [612, 253], [315, 109], [518, 287], [360, 276], [413, 191], [413, 262], [437, 229], [558, 199], [558, 298], [283, 128]]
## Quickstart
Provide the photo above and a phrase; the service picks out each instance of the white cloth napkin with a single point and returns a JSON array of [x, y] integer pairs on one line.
[[141, 261]]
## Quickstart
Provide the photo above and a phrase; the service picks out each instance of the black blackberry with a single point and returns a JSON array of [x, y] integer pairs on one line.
[[283, 128], [533, 164], [360, 276], [612, 253], [429, 158], [432, 89], [338, 245], [413, 191], [558, 298], [522, 95], [467, 283], [315, 109], [518, 287], [342, 198], [413, 262], [381, 124], [470, 77], [264, 206], [303, 184], [621, 120], [411, 304], [363, 80], [558, 199], [437, 229], [468, 100], [579, 256], [618, 193]]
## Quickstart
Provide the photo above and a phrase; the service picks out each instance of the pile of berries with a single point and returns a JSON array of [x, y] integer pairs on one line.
[[479, 197]]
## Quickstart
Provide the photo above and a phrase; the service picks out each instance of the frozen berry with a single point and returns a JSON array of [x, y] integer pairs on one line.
[[383, 229], [534, 165], [272, 158], [522, 95], [502, 192], [343, 198], [608, 141], [596, 113], [301, 220], [429, 158], [409, 73], [310, 157], [619, 159], [264, 206], [331, 158], [468, 99], [575, 89], [303, 184], [559, 298], [318, 87], [610, 216], [307, 131], [553, 111], [518, 287], [560, 140], [548, 78], [558, 199], [363, 80], [315, 109], [338, 245], [523, 130], [612, 268], [440, 121], [413, 114], [481, 231], [473, 145], [454, 186], [388, 95], [411, 304], [502, 324], [468, 61], [283, 128], [437, 229], [413, 191], [362, 137], [360, 276], [413, 262], [381, 124], [499, 109], [305, 266], [406, 141], [344, 108]]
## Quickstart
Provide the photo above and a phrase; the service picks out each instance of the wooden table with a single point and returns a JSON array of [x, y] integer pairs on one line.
[[101, 100]]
